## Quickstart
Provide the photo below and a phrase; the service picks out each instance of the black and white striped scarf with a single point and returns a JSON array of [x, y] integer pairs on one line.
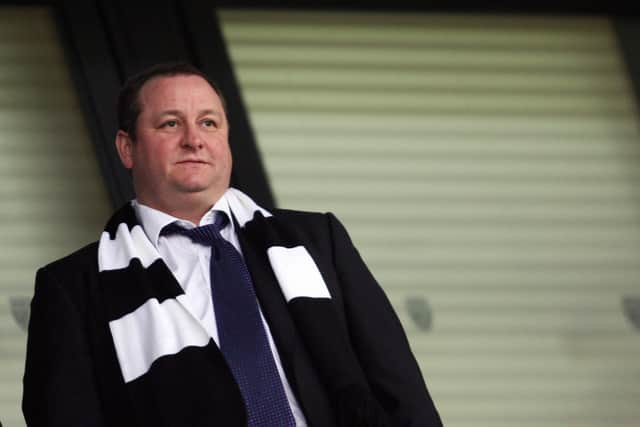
[[148, 320]]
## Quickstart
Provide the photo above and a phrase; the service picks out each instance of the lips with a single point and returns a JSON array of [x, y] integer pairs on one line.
[[196, 161]]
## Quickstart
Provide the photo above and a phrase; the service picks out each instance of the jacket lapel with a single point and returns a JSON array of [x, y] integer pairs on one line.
[[255, 238], [173, 371], [140, 294]]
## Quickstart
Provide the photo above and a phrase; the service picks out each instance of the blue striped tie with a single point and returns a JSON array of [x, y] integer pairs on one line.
[[242, 336]]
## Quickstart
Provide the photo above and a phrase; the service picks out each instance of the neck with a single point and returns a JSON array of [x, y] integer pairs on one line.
[[185, 207]]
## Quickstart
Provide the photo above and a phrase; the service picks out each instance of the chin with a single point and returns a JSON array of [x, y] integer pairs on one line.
[[199, 188], [193, 189]]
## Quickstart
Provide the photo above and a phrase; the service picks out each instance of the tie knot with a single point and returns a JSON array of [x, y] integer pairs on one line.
[[220, 221], [204, 235]]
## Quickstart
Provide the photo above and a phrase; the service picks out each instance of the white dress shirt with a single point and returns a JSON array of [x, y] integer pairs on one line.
[[189, 263]]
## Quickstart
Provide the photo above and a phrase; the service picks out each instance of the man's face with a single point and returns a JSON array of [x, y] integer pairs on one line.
[[181, 154]]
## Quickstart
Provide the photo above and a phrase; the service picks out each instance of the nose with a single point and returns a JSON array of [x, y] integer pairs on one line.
[[191, 138]]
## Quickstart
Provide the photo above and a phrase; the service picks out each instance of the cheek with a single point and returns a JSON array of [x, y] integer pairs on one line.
[[221, 149], [227, 158], [156, 162], [227, 152]]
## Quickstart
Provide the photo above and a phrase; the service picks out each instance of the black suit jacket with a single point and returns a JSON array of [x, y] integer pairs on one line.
[[73, 376]]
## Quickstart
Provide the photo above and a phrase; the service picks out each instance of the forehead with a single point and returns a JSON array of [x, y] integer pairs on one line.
[[178, 93]]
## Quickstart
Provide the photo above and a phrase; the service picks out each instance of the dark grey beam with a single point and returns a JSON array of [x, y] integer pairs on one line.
[[107, 40]]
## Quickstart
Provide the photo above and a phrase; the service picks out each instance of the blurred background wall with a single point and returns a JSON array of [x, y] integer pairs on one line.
[[484, 161]]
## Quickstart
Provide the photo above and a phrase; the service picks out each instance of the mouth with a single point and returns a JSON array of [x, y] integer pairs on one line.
[[192, 161]]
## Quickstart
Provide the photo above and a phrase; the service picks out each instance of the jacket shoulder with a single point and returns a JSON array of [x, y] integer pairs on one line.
[[302, 217], [311, 221], [82, 260]]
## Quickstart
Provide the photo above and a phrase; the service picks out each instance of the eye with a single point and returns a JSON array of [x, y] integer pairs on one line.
[[209, 123], [169, 124]]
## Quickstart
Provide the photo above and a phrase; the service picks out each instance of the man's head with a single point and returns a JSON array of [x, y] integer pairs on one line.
[[174, 138], [129, 96]]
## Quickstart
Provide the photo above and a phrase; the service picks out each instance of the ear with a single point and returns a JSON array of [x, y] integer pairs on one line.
[[124, 145]]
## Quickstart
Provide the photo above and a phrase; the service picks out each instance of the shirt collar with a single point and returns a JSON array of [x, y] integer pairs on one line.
[[153, 220]]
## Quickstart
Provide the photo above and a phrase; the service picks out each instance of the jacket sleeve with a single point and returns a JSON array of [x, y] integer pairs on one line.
[[379, 340], [59, 386]]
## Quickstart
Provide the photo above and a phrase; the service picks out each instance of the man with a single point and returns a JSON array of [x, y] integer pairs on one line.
[[270, 319]]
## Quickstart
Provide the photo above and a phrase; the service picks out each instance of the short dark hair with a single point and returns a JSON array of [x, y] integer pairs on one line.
[[129, 107]]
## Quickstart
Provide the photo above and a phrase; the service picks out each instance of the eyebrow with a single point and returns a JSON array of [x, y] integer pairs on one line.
[[200, 113]]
